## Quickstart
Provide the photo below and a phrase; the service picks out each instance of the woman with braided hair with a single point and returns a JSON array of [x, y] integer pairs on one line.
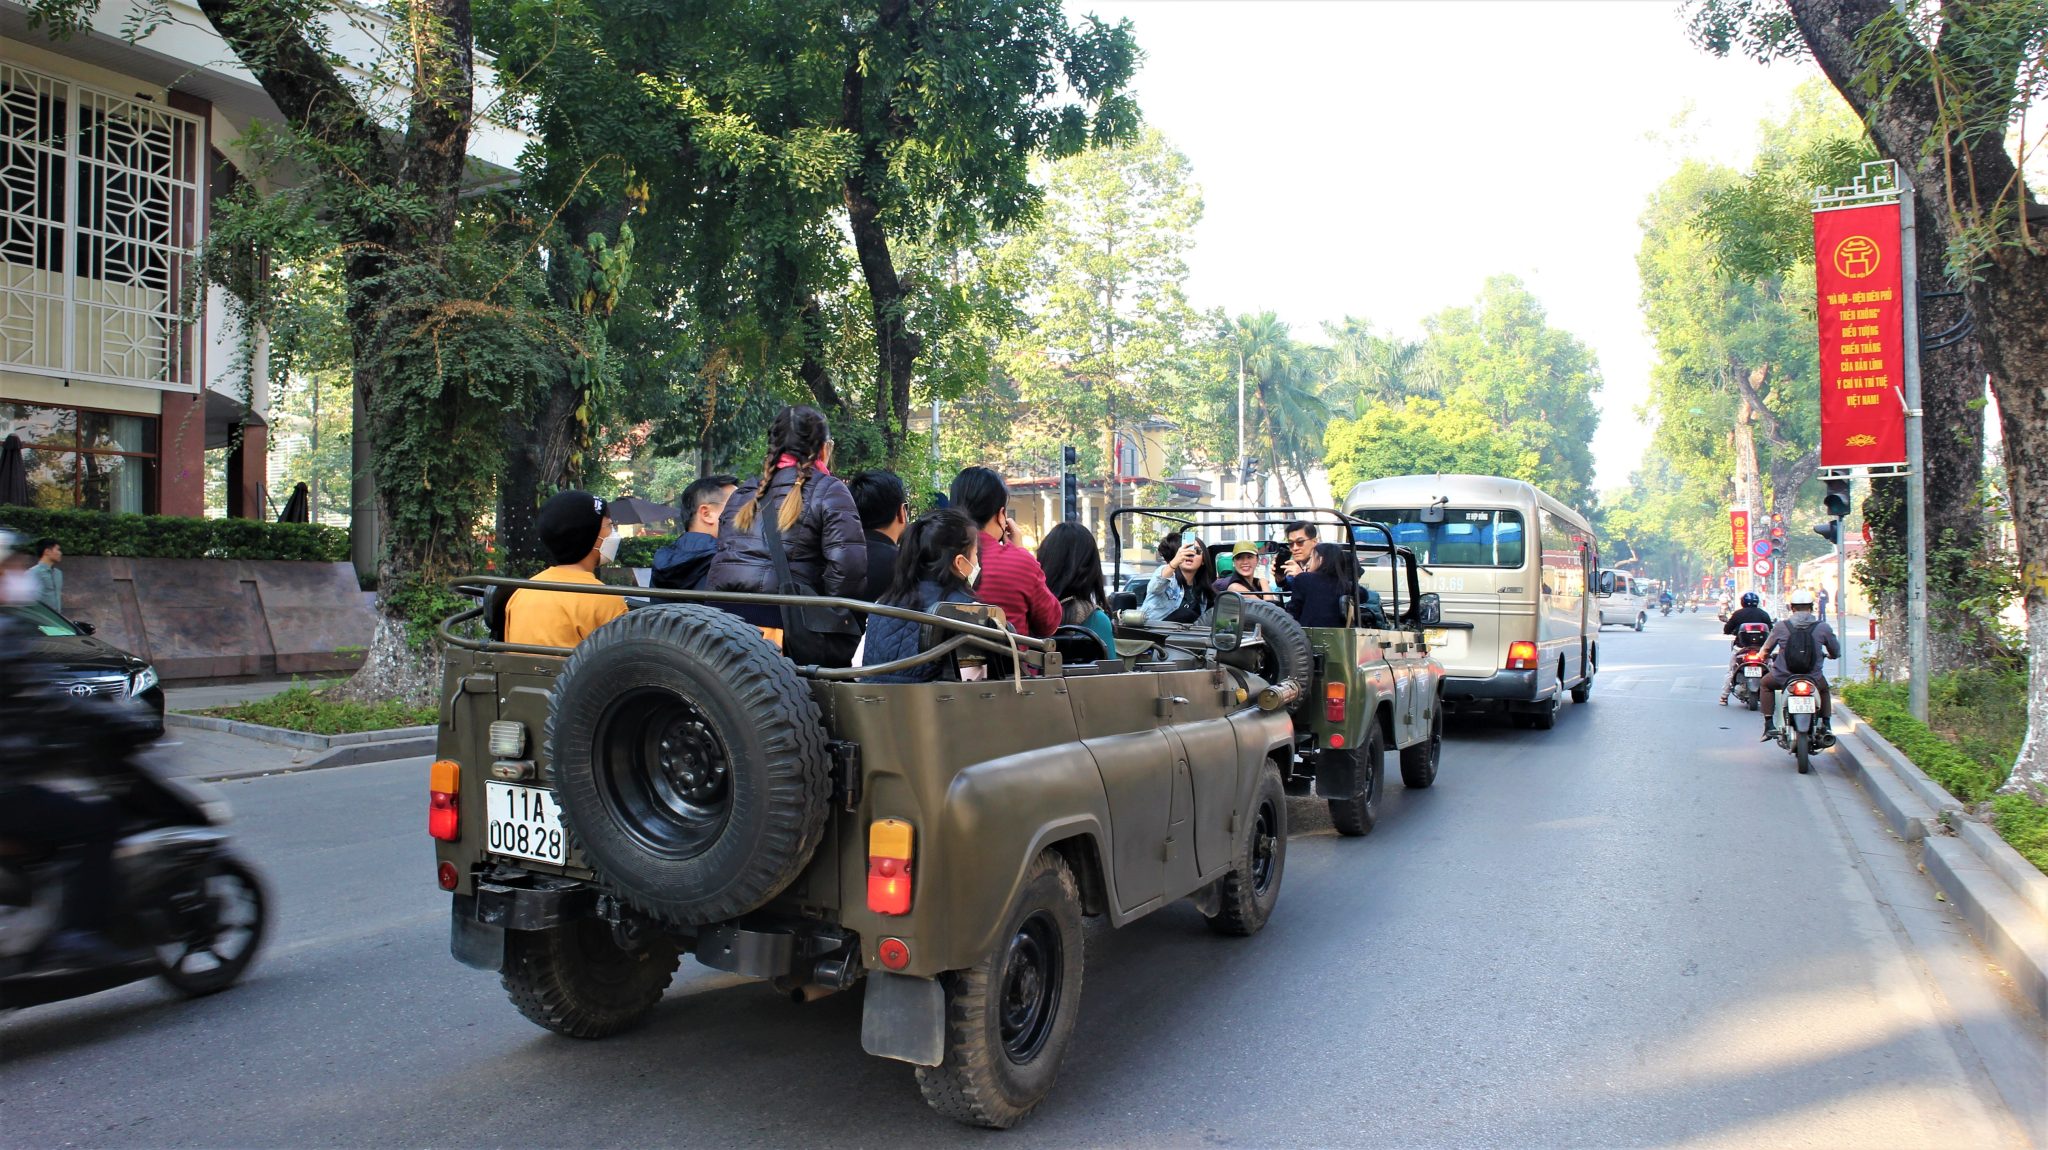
[[810, 509]]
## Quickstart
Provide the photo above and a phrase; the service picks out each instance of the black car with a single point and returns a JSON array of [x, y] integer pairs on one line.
[[85, 666]]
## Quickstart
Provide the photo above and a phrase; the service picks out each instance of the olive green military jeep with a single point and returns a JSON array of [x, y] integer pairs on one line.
[[676, 786], [1367, 687]]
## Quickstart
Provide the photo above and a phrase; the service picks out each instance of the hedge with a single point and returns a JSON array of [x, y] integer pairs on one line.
[[639, 550], [1958, 773], [177, 537]]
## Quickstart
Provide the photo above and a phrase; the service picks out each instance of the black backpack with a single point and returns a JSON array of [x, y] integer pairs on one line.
[[1800, 648]]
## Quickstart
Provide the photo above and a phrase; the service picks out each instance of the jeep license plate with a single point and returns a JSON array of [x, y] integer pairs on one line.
[[1753, 672], [1802, 704], [523, 822]]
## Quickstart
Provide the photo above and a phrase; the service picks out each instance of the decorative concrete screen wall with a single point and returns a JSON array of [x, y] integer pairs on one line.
[[211, 618]]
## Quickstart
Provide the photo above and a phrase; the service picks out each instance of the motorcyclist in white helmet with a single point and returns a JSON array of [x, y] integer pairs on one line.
[[1799, 616]]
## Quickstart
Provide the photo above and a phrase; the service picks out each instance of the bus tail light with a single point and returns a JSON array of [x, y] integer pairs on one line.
[[444, 808], [1333, 702], [889, 843], [1521, 655]]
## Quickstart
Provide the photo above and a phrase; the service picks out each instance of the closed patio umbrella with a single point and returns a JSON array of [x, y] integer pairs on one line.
[[13, 473], [645, 512], [297, 509]]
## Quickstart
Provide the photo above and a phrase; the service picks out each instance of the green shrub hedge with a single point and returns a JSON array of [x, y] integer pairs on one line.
[[176, 537], [639, 550], [1986, 710], [1880, 705]]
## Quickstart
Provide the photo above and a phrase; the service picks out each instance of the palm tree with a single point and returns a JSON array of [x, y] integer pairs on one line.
[[1288, 412], [1370, 369]]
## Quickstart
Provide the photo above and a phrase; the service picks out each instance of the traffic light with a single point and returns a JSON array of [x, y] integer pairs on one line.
[[1830, 530], [1838, 497], [1070, 485]]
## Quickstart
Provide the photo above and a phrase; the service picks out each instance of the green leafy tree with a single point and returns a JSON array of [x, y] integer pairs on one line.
[[1423, 437], [1532, 382]]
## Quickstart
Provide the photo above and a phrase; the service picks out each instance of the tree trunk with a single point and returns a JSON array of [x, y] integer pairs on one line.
[[896, 346], [2020, 377]]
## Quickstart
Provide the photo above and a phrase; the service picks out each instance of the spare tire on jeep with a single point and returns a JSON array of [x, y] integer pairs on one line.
[[689, 760], [1286, 653]]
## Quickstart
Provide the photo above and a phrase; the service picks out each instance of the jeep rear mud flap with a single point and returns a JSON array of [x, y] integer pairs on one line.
[[904, 1018]]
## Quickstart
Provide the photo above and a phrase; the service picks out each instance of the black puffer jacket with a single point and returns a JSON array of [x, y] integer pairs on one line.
[[826, 546]]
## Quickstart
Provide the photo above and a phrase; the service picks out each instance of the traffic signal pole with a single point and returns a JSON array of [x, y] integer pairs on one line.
[[1917, 661]]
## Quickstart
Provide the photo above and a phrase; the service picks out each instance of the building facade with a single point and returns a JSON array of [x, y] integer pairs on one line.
[[119, 367]]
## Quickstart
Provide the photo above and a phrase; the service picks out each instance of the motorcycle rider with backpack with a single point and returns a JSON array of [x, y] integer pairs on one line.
[[1797, 646], [1752, 612]]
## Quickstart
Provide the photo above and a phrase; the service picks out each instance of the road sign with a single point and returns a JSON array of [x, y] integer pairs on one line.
[[1762, 547], [1762, 567]]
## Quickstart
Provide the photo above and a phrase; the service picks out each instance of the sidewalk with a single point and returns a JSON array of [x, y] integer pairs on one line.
[[190, 752]]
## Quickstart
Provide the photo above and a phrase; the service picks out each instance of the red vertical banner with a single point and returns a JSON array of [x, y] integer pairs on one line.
[[1738, 530], [1859, 283]]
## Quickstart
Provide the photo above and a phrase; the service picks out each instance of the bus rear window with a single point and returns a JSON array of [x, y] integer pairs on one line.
[[1468, 536]]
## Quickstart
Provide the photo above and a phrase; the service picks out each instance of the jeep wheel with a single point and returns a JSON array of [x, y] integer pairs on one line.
[[1419, 762], [1010, 1016], [575, 979], [690, 763], [1247, 893], [1356, 814], [1286, 653]]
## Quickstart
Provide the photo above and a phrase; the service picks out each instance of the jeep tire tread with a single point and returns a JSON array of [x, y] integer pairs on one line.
[[1419, 762], [752, 753], [1289, 654], [1246, 895], [983, 1080], [1356, 816], [575, 979]]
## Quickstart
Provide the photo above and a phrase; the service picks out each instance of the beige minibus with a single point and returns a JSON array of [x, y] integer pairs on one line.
[[1514, 570]]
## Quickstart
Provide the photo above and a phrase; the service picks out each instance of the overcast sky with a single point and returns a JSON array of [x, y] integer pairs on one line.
[[1383, 159]]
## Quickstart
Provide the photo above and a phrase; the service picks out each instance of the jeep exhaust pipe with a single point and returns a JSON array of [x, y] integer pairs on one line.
[[1279, 695]]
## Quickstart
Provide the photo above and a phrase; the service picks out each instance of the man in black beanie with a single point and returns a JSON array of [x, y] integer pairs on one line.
[[577, 535]]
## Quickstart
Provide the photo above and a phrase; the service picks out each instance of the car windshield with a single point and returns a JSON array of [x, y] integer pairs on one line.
[[40, 617], [1468, 536]]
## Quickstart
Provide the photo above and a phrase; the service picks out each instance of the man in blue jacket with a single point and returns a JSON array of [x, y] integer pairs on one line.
[[683, 564]]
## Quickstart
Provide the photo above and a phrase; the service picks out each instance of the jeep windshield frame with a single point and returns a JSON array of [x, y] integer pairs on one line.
[[966, 633], [1184, 517]]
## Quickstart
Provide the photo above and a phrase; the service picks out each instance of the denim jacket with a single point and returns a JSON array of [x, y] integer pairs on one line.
[[1164, 595]]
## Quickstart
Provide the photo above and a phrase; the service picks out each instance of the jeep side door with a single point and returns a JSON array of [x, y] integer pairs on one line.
[[1118, 721]]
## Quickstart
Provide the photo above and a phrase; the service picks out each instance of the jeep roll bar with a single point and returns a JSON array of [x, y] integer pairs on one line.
[[1197, 517], [968, 634]]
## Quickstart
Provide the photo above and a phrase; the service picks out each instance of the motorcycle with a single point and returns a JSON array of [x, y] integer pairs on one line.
[[1749, 677], [187, 908], [1802, 729]]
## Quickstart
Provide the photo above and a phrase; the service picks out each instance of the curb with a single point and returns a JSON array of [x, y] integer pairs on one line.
[[289, 738], [2002, 896]]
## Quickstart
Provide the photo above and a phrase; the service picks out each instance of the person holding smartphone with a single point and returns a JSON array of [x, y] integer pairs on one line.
[[1178, 592]]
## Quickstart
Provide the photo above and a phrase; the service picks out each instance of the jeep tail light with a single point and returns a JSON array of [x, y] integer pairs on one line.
[[508, 739], [1521, 655], [1801, 687], [1333, 702], [444, 810], [889, 866], [447, 875]]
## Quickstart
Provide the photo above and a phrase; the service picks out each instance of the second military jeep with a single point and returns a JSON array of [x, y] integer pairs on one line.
[[1369, 687], [675, 785]]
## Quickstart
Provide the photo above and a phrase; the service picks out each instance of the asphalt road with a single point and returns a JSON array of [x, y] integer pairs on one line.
[[1640, 928]]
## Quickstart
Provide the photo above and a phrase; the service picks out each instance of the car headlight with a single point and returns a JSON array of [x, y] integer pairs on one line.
[[144, 680]]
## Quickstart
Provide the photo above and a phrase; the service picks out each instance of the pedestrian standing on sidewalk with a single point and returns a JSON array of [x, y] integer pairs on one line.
[[49, 580], [1822, 598]]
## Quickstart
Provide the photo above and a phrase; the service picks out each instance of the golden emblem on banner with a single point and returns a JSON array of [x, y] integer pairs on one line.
[[1857, 257], [1861, 441]]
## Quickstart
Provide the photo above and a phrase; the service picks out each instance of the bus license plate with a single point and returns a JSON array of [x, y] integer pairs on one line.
[[523, 822], [1802, 704]]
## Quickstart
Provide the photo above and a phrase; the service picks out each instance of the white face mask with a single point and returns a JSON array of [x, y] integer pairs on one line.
[[608, 547]]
